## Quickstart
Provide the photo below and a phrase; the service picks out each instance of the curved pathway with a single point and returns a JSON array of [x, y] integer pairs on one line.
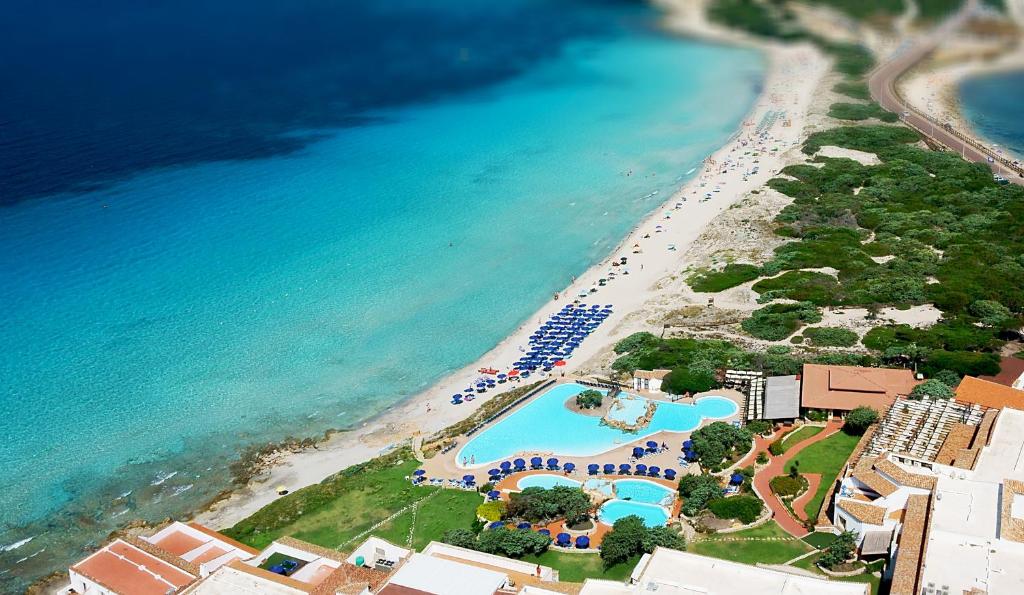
[[777, 466]]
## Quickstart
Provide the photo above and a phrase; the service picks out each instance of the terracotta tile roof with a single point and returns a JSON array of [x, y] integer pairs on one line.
[[912, 544], [224, 538], [903, 477], [876, 482], [958, 439], [1011, 527], [178, 543], [651, 374], [350, 578], [1010, 369], [124, 567], [989, 394], [847, 387], [865, 513]]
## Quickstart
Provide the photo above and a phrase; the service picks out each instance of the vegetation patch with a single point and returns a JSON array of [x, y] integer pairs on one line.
[[853, 89], [629, 537], [786, 486], [718, 442], [589, 399], [831, 336], [730, 276], [745, 509], [827, 458], [778, 321], [861, 111], [766, 544], [803, 286]]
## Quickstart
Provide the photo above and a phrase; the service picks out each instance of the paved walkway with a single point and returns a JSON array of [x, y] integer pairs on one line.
[[777, 466]]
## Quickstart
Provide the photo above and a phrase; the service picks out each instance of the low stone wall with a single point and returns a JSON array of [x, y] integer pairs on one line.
[[860, 570]]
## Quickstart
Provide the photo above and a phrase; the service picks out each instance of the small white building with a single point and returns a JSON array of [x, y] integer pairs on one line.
[[649, 380]]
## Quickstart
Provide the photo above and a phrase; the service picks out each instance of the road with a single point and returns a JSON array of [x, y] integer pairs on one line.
[[882, 83]]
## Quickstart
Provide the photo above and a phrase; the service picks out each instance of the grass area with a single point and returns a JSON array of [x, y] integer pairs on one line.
[[820, 539], [810, 563], [757, 18], [351, 501], [576, 568], [730, 276], [831, 336], [860, 10], [935, 10], [826, 457], [799, 435], [860, 111], [853, 89], [780, 546]]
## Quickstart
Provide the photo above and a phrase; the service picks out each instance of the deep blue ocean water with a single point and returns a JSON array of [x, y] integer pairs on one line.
[[224, 222], [992, 104]]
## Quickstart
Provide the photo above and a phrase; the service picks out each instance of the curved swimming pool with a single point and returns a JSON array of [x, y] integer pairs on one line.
[[641, 490], [613, 510], [545, 424], [546, 481]]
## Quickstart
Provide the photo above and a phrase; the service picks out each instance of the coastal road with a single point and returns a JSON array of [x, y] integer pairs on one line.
[[882, 83]]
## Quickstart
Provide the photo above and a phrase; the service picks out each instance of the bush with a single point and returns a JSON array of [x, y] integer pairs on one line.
[[948, 377], [839, 551], [965, 363], [589, 399], [991, 312], [856, 90], [816, 415], [804, 286], [491, 511], [635, 342], [778, 321], [717, 441], [861, 111], [932, 389], [629, 537], [730, 276], [858, 420], [760, 426], [777, 448], [830, 336], [682, 380], [745, 509], [460, 538], [861, 138], [697, 491], [787, 486], [512, 542], [762, 458], [538, 504]]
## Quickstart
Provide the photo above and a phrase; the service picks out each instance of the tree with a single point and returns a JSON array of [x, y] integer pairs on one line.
[[746, 509], [839, 551], [760, 426], [947, 377], [512, 542], [714, 442], [589, 399], [683, 380], [460, 538], [536, 504], [700, 497], [858, 420], [630, 537], [990, 312], [932, 389]]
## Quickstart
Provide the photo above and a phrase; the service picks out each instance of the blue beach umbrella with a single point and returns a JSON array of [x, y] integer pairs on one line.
[[687, 444], [519, 463], [496, 525], [493, 494], [494, 472], [524, 526], [419, 472], [651, 444], [545, 532], [670, 473], [638, 452], [592, 468], [563, 538], [535, 462], [653, 470], [736, 479], [641, 469], [505, 466], [625, 468], [552, 463], [609, 468], [569, 467], [468, 478], [582, 542]]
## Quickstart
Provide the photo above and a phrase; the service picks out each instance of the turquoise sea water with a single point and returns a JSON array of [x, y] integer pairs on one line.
[[545, 424], [992, 104], [156, 325]]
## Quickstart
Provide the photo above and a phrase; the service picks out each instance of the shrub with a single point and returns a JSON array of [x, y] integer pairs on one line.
[[816, 415], [787, 486], [858, 420], [948, 377], [805, 286], [965, 363], [778, 321], [630, 537], [589, 399], [689, 483], [991, 312], [730, 276], [682, 380], [932, 389], [512, 542], [829, 336], [538, 504], [491, 511], [861, 138], [839, 551], [717, 441], [860, 111], [460, 538], [746, 509], [636, 341], [776, 448], [856, 90], [760, 426], [762, 458]]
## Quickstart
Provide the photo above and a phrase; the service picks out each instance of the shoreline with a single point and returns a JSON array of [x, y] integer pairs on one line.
[[933, 86], [628, 294]]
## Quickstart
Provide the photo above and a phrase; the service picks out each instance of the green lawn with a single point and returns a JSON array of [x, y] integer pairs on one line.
[[344, 505], [791, 439], [820, 540], [808, 563], [576, 568], [827, 458], [781, 549]]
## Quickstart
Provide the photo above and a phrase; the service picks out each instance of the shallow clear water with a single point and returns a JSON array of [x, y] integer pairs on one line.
[[638, 490], [295, 237], [992, 104], [613, 510], [629, 410], [546, 481], [545, 424]]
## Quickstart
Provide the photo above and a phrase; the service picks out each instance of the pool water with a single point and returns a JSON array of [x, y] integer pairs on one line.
[[613, 510], [648, 492], [545, 424], [602, 486], [546, 481], [629, 409]]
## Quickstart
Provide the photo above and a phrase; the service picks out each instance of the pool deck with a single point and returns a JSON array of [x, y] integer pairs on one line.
[[508, 485], [446, 466]]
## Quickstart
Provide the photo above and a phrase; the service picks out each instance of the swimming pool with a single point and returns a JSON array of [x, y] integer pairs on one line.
[[546, 425], [648, 492], [546, 481], [613, 510], [628, 409]]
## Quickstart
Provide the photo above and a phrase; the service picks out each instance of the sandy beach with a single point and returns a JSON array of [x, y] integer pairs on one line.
[[656, 250]]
